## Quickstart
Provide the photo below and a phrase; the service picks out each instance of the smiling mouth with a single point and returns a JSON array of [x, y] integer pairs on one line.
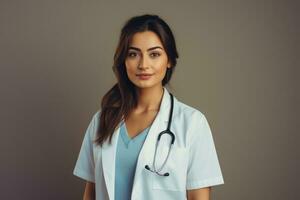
[[144, 76]]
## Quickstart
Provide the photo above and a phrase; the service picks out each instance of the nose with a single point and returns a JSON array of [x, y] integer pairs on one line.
[[143, 64]]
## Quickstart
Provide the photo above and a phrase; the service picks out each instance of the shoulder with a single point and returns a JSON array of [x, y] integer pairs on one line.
[[193, 124], [93, 125], [183, 110], [96, 116]]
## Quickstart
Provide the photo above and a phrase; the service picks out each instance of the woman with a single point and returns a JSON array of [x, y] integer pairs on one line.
[[120, 157]]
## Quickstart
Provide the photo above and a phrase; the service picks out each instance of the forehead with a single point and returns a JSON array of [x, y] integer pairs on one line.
[[145, 40]]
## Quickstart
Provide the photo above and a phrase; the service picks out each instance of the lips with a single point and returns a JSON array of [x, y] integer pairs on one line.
[[144, 74]]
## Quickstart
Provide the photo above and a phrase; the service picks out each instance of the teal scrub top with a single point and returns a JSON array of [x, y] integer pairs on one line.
[[128, 150]]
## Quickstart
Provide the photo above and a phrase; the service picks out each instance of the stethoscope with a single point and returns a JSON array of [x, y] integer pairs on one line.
[[167, 131]]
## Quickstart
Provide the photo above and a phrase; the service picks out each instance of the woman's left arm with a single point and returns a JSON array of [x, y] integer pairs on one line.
[[199, 194]]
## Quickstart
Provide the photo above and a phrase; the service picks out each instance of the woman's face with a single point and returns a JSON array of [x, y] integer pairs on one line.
[[146, 61]]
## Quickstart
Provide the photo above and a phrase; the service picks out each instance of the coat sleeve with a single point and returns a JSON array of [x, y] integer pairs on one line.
[[85, 166], [203, 165]]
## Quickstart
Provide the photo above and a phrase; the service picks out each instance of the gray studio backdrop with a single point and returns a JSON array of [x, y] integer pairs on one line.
[[239, 63]]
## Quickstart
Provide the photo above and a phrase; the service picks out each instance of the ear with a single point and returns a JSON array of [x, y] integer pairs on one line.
[[168, 65]]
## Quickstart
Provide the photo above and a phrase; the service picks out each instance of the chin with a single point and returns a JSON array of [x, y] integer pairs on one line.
[[143, 86], [146, 85]]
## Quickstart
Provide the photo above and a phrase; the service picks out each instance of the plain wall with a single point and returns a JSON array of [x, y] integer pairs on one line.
[[238, 64]]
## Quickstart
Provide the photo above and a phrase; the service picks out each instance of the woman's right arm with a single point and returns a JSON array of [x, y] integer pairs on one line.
[[89, 192]]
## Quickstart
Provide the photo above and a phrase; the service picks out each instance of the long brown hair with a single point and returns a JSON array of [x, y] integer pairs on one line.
[[122, 98]]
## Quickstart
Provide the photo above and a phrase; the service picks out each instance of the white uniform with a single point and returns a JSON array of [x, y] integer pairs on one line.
[[192, 163]]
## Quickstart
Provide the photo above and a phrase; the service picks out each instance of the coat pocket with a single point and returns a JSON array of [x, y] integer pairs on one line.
[[176, 166]]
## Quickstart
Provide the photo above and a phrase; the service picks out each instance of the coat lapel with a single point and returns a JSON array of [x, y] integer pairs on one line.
[[108, 163], [147, 152]]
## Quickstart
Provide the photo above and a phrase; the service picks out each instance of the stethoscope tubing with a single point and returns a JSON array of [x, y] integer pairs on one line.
[[169, 132]]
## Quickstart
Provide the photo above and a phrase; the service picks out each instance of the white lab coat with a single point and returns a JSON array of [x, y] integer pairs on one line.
[[193, 161]]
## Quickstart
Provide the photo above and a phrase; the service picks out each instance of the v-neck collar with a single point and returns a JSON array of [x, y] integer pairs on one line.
[[127, 139]]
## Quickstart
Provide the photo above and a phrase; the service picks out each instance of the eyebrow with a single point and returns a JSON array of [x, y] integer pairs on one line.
[[137, 49]]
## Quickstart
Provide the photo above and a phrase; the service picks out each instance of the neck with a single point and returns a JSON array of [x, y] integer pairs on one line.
[[149, 99]]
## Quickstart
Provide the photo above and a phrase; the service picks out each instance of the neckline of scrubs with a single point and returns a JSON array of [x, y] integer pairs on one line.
[[127, 139]]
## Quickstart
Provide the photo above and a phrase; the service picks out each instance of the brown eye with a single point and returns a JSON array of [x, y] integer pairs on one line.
[[155, 54], [131, 54]]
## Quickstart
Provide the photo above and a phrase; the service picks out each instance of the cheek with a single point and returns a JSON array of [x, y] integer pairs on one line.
[[129, 67], [162, 66]]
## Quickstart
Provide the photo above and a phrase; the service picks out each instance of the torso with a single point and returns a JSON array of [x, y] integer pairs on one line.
[[136, 123]]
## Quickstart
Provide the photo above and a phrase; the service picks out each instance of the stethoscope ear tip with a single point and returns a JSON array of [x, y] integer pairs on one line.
[[166, 174]]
